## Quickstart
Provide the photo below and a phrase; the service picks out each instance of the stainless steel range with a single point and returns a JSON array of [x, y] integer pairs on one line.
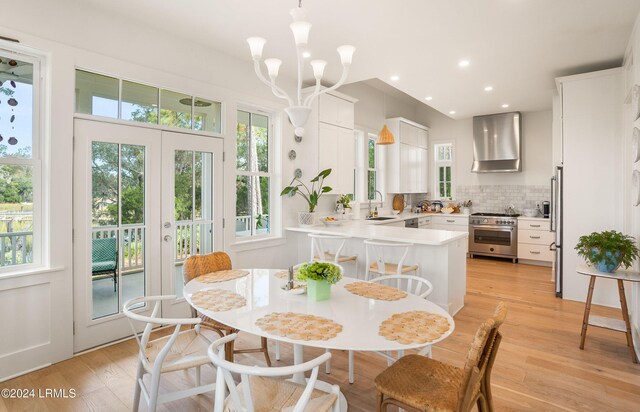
[[493, 234]]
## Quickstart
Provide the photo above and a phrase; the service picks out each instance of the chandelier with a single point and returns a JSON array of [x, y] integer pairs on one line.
[[299, 108]]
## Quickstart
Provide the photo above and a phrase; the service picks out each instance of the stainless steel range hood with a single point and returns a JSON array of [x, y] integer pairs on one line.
[[497, 143]]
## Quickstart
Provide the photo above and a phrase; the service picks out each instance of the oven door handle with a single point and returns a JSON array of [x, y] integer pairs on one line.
[[500, 228]]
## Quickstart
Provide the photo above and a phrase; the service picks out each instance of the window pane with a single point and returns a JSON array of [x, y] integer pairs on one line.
[[96, 94], [441, 173], [16, 107], [442, 192], [448, 173], [104, 183], [242, 139], [203, 194], [175, 109], [261, 211], [132, 172], [372, 154], [260, 142], [139, 102], [16, 215], [448, 189], [105, 266], [371, 185], [183, 185], [243, 200], [207, 115]]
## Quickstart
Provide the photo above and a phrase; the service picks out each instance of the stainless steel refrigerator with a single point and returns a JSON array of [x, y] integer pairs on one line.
[[555, 217]]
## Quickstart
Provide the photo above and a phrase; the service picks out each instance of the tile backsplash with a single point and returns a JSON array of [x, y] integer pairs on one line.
[[495, 198]]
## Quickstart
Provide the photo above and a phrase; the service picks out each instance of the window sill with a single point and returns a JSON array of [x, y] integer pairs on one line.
[[31, 271], [260, 243]]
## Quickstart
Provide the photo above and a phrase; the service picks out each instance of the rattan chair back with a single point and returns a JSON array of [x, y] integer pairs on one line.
[[198, 265]]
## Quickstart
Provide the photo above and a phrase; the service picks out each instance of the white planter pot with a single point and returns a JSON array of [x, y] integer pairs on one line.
[[306, 218]]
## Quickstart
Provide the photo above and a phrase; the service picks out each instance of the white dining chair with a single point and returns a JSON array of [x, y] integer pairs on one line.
[[179, 351], [411, 284], [321, 252], [262, 387], [376, 255]]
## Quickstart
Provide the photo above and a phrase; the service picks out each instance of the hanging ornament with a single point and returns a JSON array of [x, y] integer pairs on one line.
[[13, 84], [12, 102], [1, 138], [12, 141], [13, 63], [13, 117]]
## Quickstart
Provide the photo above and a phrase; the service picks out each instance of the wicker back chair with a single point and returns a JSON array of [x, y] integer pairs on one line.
[[198, 265], [418, 383]]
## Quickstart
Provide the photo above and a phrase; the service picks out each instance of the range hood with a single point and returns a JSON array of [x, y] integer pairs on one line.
[[497, 143]]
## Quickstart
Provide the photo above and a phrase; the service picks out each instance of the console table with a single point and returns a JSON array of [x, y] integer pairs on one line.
[[603, 322]]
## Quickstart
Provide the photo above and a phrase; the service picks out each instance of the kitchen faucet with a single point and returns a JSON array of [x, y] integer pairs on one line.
[[369, 213]]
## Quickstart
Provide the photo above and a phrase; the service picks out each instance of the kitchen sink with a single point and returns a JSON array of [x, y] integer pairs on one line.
[[380, 218]]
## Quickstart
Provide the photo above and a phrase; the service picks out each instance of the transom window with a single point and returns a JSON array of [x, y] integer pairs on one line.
[[443, 164], [106, 96], [20, 160], [372, 167], [253, 174]]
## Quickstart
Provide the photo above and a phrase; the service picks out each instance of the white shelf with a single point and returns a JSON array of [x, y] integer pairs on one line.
[[607, 323]]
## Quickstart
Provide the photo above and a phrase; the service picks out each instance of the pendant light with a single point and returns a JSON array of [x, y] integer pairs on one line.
[[385, 136]]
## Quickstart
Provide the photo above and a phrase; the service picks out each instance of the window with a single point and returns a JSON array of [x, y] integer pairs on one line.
[[372, 167], [105, 96], [253, 177], [443, 164], [20, 164]]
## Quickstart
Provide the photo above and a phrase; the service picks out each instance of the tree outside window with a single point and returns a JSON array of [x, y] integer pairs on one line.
[[253, 176], [372, 170], [443, 164]]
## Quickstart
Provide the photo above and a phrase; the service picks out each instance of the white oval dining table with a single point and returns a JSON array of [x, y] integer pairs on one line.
[[359, 316]]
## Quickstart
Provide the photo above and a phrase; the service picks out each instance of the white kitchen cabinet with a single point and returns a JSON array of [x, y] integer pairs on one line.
[[336, 110], [336, 150], [534, 239], [408, 158], [330, 129], [449, 222]]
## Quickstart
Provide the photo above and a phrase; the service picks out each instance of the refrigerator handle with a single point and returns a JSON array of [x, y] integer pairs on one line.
[[552, 206]]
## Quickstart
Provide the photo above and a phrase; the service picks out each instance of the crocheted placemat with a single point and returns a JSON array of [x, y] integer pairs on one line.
[[284, 274], [299, 326], [218, 300], [414, 327], [375, 291], [222, 276]]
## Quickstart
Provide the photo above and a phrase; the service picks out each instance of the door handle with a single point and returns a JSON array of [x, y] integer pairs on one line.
[[534, 252], [534, 237], [167, 238]]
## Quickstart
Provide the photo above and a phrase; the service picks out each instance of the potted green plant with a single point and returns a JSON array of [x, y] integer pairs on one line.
[[607, 250], [344, 202], [311, 195], [319, 277]]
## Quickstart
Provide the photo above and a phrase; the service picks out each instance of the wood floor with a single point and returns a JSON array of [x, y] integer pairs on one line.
[[539, 366]]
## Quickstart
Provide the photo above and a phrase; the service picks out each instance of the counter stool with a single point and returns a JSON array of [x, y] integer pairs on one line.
[[376, 262], [321, 254]]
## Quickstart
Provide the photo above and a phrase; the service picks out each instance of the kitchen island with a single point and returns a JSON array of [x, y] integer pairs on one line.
[[441, 254]]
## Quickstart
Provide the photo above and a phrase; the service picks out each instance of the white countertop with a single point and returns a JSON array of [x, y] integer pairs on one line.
[[404, 216], [544, 219], [366, 230]]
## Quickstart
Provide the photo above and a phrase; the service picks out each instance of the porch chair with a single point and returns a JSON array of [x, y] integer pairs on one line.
[[179, 351], [264, 389], [198, 265], [411, 284], [419, 383], [104, 258]]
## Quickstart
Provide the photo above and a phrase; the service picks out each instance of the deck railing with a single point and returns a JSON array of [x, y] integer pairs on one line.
[[16, 248]]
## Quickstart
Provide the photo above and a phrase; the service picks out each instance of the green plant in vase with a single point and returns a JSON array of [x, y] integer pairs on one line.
[[345, 202], [319, 277], [608, 250], [311, 195]]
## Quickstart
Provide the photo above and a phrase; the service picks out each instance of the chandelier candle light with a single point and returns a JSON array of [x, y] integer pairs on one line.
[[299, 108]]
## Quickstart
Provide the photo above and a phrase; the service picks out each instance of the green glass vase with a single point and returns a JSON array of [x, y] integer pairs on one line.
[[318, 289]]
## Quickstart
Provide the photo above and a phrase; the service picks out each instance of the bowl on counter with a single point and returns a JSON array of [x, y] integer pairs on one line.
[[331, 222], [447, 210], [530, 212]]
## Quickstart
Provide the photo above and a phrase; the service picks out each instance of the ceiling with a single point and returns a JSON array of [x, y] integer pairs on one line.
[[516, 46]]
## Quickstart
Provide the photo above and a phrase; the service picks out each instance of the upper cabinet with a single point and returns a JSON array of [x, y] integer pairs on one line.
[[408, 158], [331, 123]]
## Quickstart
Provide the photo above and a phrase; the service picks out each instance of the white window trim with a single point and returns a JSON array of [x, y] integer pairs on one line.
[[39, 160], [363, 135], [275, 204], [438, 163]]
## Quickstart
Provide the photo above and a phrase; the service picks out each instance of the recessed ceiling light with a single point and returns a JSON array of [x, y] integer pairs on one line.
[[428, 98], [488, 88], [395, 78], [452, 112], [306, 55], [463, 63], [504, 106]]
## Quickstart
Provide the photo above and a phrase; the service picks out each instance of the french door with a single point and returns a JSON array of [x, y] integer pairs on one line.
[[144, 200]]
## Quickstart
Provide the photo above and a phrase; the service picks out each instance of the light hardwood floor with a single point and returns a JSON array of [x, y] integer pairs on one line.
[[539, 366]]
